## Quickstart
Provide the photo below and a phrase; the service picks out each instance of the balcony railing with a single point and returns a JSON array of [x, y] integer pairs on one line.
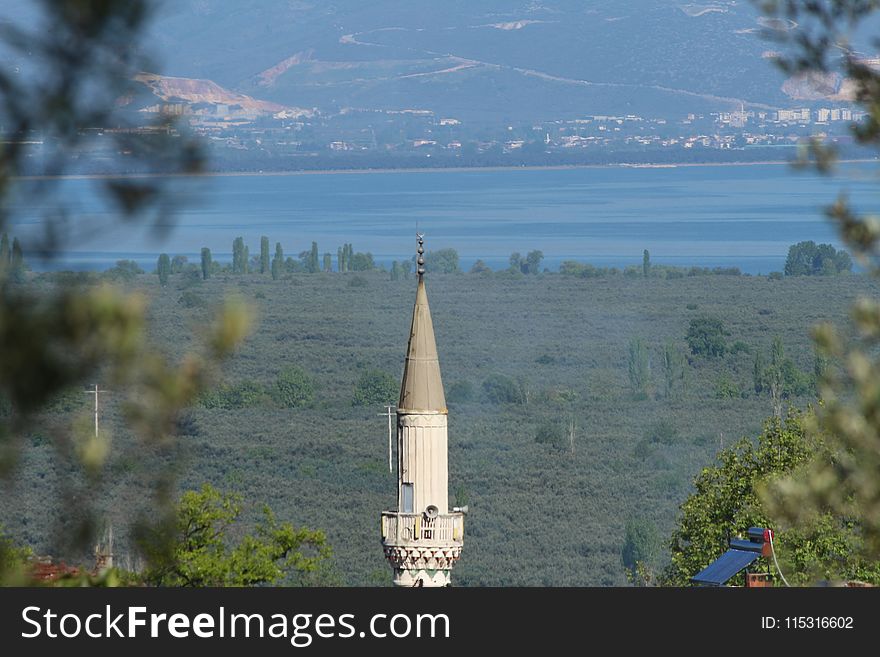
[[418, 529]]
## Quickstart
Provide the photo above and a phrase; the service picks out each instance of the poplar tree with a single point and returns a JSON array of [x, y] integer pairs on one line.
[[238, 256], [206, 263], [17, 261], [277, 262], [646, 263], [4, 252], [163, 267], [313, 259], [264, 255], [340, 260], [246, 261], [328, 262]]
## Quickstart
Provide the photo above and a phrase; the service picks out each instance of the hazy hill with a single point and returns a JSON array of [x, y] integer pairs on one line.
[[478, 58]]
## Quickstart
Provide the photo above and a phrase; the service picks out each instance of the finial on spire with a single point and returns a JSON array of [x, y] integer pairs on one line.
[[421, 251]]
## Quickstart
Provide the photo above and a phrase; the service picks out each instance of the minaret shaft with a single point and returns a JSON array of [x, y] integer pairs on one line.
[[422, 540], [422, 445]]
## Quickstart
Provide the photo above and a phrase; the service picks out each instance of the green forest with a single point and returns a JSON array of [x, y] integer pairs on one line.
[[581, 408]]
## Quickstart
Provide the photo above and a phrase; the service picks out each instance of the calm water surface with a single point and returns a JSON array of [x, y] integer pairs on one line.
[[745, 216]]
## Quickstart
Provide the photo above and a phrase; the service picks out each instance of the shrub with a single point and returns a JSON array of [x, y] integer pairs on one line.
[[190, 299], [246, 394], [726, 388], [663, 432], [293, 388], [740, 346], [552, 435], [375, 387], [501, 389], [705, 337], [125, 270]]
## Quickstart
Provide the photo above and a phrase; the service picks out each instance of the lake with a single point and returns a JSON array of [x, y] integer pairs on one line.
[[743, 216]]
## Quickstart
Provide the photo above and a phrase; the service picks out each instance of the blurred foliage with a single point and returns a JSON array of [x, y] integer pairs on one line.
[[844, 482], [195, 548], [57, 337]]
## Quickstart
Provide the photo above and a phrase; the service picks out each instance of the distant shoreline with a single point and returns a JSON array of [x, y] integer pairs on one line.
[[323, 172]]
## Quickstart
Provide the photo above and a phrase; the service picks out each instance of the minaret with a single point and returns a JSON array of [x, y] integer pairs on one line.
[[422, 540]]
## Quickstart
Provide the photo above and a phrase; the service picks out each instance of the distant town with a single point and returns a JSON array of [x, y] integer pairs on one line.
[[257, 136]]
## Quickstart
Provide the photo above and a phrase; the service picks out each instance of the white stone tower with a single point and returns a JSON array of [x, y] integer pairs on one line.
[[422, 540]]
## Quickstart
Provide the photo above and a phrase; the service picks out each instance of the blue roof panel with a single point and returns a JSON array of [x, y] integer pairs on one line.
[[725, 567]]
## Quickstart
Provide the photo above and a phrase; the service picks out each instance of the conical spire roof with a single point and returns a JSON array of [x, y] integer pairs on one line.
[[422, 388]]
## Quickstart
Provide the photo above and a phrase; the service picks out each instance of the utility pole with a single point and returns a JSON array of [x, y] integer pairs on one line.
[[387, 412], [96, 392]]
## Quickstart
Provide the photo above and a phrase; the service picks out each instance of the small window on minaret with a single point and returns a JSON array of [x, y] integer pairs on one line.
[[406, 492]]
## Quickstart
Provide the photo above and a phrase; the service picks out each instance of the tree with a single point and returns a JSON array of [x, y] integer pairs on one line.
[[264, 255], [5, 255], [178, 263], [277, 262], [313, 267], [811, 259], [163, 268], [533, 262], [516, 262], [328, 262], [13, 561], [16, 262], [375, 387], [246, 260], [673, 362], [196, 548], [442, 261], [705, 337], [396, 272], [728, 500], [207, 263], [361, 262], [638, 368], [641, 550], [758, 371], [646, 264], [293, 388], [340, 260], [773, 375], [124, 271], [239, 257], [480, 267]]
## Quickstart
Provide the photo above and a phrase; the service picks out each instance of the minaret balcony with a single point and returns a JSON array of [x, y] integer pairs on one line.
[[420, 530]]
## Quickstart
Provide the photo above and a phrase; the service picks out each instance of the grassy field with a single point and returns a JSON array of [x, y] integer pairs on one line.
[[541, 514]]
